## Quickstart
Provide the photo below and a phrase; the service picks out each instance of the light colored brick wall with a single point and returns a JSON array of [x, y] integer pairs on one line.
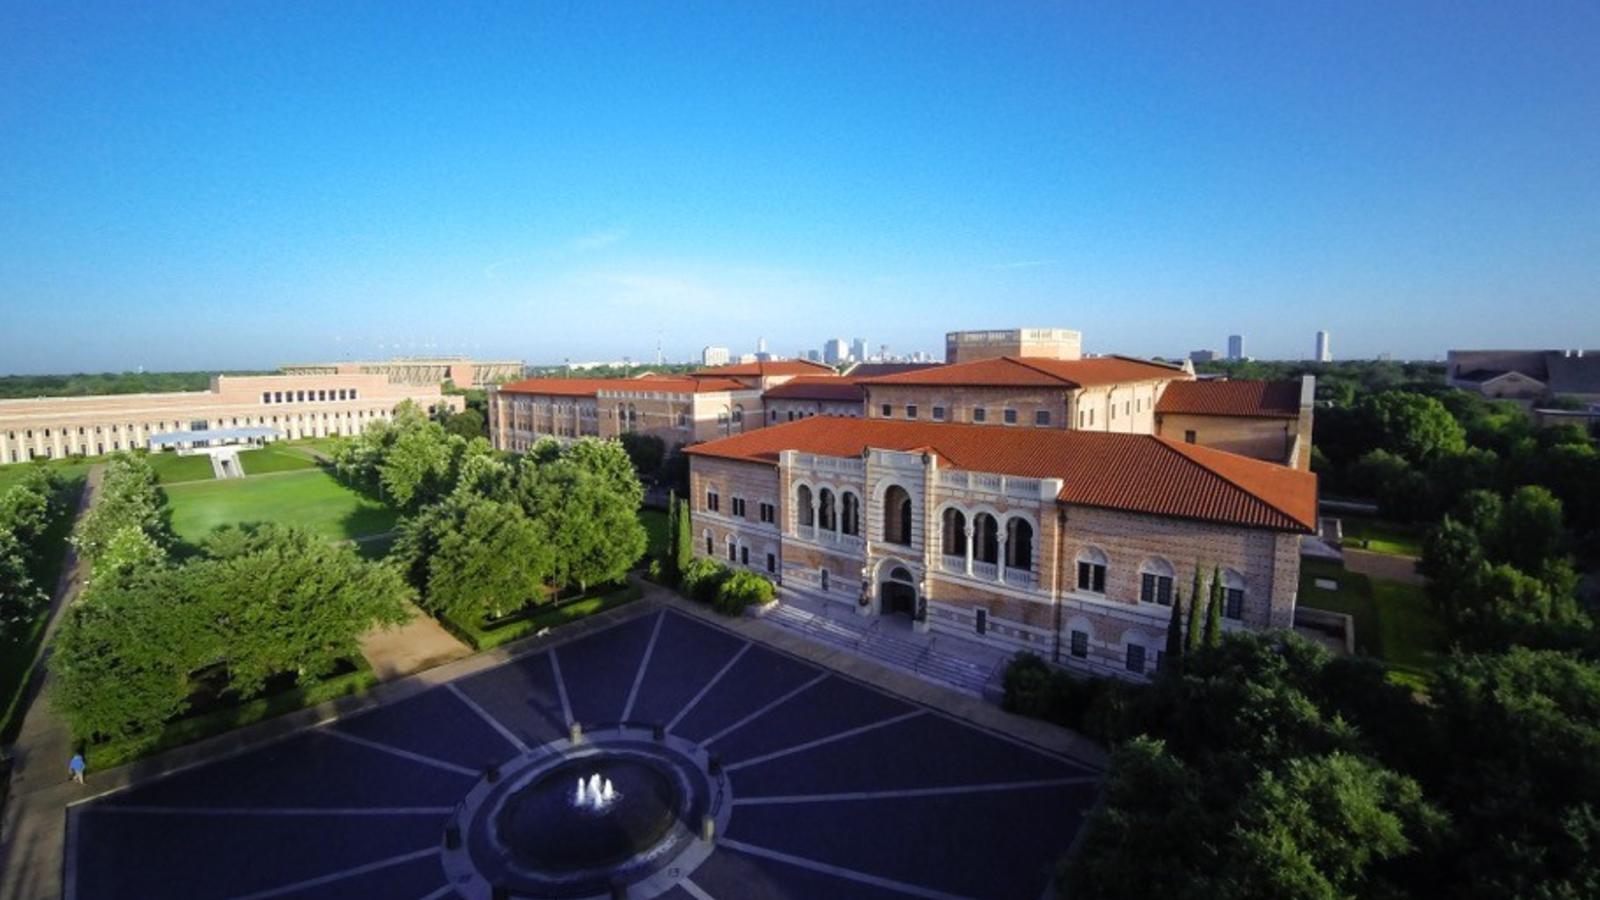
[[751, 482], [960, 402], [781, 410], [1122, 408]]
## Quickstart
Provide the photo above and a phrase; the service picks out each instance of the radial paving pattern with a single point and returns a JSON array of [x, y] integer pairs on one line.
[[839, 789]]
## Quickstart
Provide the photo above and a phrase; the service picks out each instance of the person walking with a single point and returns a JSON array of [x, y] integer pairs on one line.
[[76, 767]]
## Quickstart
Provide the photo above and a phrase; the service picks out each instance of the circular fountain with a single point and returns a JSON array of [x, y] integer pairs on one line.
[[621, 808]]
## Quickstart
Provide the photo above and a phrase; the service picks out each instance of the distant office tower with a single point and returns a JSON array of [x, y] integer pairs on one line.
[[714, 356], [1202, 356], [1236, 346], [761, 345], [834, 351], [1324, 352], [1051, 343], [858, 349], [814, 355]]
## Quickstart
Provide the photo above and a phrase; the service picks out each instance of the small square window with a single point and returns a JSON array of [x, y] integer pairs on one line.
[[1188, 436], [1010, 416], [938, 414], [887, 410], [1135, 658], [911, 410], [1042, 418], [979, 414]]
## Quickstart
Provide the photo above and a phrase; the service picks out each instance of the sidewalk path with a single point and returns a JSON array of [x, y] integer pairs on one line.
[[1383, 566]]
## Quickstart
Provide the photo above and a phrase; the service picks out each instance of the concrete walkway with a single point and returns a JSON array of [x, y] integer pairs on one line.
[[1383, 566], [421, 643], [32, 829]]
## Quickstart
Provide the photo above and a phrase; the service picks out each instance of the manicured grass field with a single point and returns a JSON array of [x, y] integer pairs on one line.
[[1393, 621], [1382, 537], [655, 529], [71, 468], [170, 468], [311, 499], [275, 458]]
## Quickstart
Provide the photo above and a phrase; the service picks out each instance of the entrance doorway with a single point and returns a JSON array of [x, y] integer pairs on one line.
[[899, 593]]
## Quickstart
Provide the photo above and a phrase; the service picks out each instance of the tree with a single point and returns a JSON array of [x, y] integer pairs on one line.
[[741, 589], [129, 498], [1213, 636], [669, 552], [646, 451], [682, 539], [492, 560], [1192, 634], [611, 464], [1500, 605], [20, 598], [1175, 630], [1529, 531], [1415, 426], [592, 526], [468, 424], [1519, 770], [415, 469]]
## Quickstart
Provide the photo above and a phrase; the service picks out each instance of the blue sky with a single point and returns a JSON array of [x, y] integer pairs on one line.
[[229, 185]]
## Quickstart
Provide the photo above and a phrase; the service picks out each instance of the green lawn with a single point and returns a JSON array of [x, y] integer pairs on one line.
[[655, 529], [170, 468], [1382, 537], [311, 499], [481, 638], [1393, 621], [73, 467], [275, 458]]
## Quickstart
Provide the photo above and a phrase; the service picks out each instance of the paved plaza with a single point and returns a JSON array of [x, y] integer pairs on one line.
[[837, 789]]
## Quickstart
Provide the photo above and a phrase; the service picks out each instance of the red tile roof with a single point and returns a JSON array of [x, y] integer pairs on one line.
[[762, 369], [1025, 371], [1134, 473], [1216, 397], [817, 387], [589, 387]]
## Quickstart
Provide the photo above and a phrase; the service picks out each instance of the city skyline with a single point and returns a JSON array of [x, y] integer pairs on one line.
[[182, 192]]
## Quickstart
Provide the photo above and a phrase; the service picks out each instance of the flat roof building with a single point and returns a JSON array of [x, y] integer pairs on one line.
[[1047, 343], [294, 406], [459, 370]]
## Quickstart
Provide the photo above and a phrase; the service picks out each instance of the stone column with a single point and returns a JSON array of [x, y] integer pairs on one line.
[[1000, 556], [970, 532]]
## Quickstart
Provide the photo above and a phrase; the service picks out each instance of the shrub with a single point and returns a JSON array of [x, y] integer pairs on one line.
[[702, 578], [741, 589]]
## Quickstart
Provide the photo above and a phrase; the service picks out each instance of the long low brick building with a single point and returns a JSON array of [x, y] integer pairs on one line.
[[1067, 543]]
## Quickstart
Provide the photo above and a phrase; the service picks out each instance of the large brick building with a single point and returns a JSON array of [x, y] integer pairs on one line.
[[1067, 543], [458, 370], [294, 406]]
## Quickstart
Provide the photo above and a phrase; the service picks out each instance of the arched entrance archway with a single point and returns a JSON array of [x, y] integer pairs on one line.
[[898, 592]]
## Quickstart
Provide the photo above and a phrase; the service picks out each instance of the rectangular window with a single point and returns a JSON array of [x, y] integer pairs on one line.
[[738, 507], [1042, 418], [713, 502], [772, 416], [887, 410], [1125, 407], [772, 563], [744, 556], [709, 549], [733, 551], [1091, 577], [1135, 658], [266, 396], [277, 396], [911, 410], [982, 621], [938, 414], [1188, 437], [979, 414], [768, 512], [1155, 589], [1010, 416], [1233, 607], [352, 393], [1080, 644]]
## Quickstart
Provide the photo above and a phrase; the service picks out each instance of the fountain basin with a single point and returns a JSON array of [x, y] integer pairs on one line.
[[545, 829]]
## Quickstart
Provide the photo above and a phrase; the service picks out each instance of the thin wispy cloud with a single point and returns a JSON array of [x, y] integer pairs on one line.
[[597, 240]]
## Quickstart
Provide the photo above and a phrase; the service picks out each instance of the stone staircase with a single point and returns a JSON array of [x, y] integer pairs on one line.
[[918, 654]]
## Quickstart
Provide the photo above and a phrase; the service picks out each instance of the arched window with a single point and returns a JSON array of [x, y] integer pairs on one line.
[[902, 575], [711, 549], [802, 504], [1232, 594], [1019, 545], [738, 415], [897, 516], [986, 538], [827, 517], [733, 550], [1155, 582], [850, 513], [1092, 571], [954, 528]]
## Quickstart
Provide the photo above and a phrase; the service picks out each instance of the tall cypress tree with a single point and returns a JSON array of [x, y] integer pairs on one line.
[[1214, 611], [669, 553], [684, 538], [1192, 633], [1175, 629]]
